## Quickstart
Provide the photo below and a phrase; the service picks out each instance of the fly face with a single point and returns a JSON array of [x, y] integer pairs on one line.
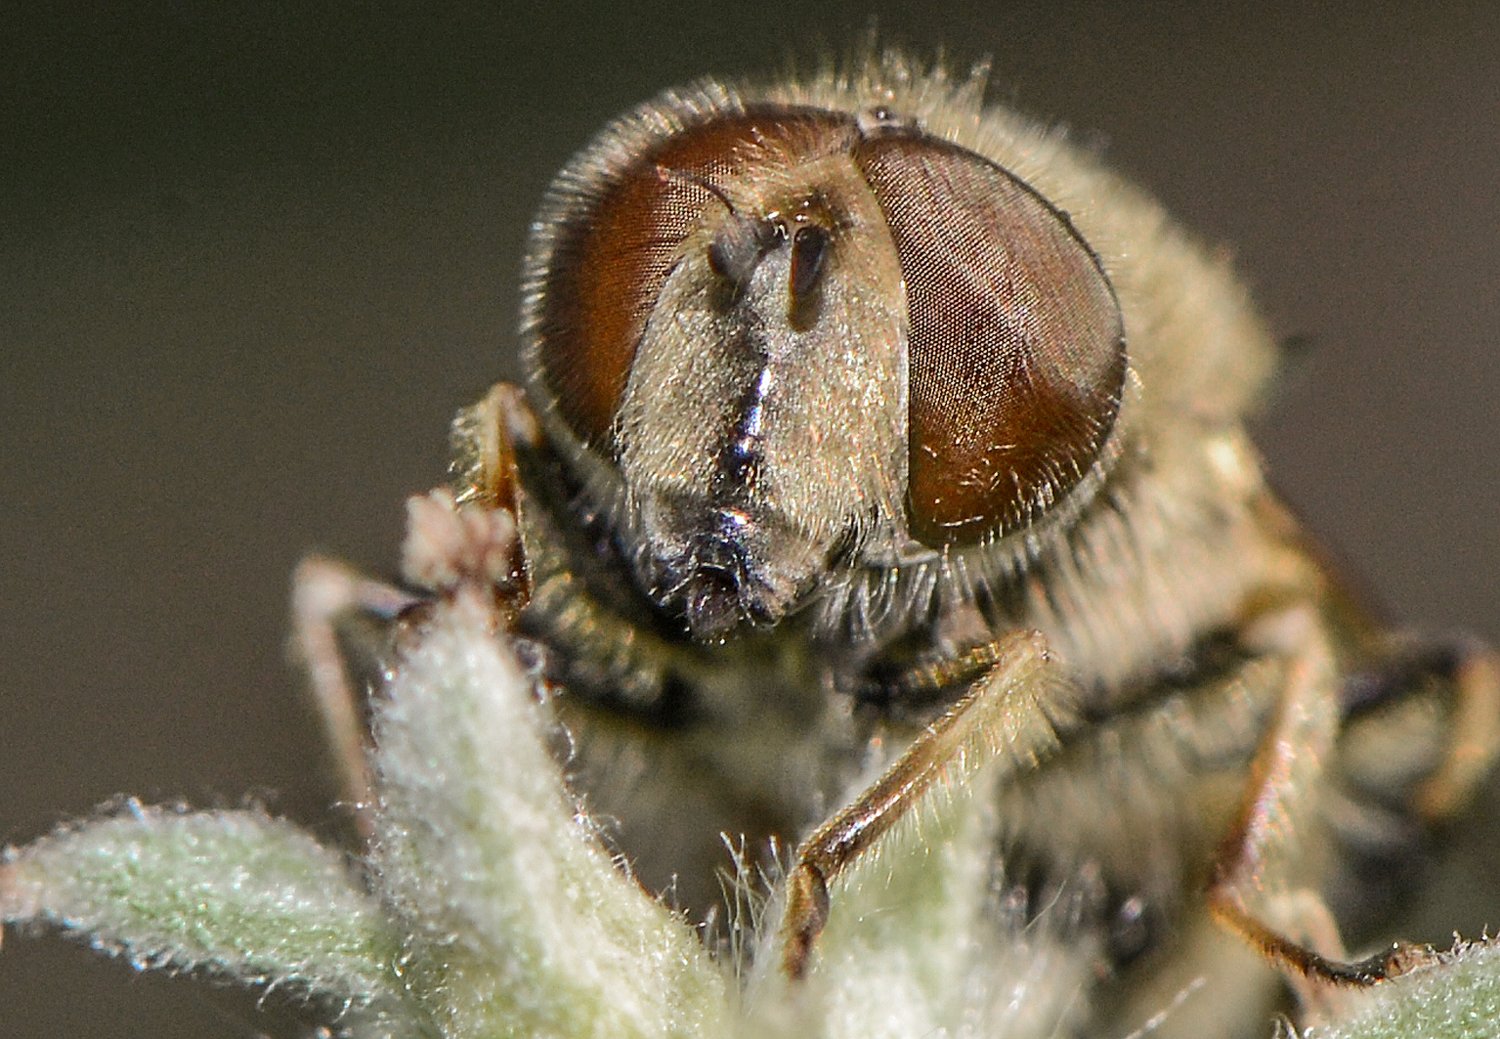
[[796, 341]]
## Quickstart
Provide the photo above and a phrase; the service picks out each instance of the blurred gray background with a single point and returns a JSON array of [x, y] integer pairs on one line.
[[253, 256]]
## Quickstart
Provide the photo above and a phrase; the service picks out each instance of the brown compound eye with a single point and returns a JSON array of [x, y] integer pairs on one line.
[[1017, 345], [617, 226]]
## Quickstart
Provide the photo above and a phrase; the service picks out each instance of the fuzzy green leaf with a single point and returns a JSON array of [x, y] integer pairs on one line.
[[236, 893], [520, 923], [1458, 998]]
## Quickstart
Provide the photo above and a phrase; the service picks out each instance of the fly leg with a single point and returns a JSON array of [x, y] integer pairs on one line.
[[1449, 684], [468, 534], [1011, 716], [1294, 758], [325, 593], [1294, 751]]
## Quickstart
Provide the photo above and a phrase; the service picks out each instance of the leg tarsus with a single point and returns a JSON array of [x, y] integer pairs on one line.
[[1307, 962], [806, 915]]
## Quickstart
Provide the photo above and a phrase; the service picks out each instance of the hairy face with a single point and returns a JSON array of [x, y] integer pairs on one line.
[[804, 339]]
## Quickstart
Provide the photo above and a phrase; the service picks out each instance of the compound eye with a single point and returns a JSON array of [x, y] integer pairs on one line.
[[615, 226], [1017, 347]]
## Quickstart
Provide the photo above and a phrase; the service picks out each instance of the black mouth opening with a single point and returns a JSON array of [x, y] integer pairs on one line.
[[714, 589], [711, 604]]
